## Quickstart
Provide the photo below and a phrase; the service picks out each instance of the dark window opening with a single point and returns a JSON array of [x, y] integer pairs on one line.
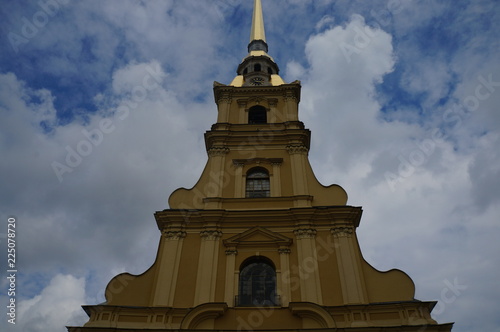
[[257, 67], [257, 115], [245, 71], [257, 283], [269, 71], [258, 183]]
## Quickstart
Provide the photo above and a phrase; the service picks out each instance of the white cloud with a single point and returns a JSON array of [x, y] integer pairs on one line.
[[57, 305], [122, 175], [428, 223], [340, 91], [137, 77], [326, 21], [294, 71], [430, 77]]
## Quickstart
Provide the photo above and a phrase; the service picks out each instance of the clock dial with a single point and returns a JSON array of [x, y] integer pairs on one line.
[[257, 81]]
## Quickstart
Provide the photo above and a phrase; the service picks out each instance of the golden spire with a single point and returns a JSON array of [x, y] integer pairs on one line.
[[257, 35], [258, 32], [257, 65]]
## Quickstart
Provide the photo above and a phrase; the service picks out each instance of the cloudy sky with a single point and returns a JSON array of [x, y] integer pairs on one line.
[[103, 106]]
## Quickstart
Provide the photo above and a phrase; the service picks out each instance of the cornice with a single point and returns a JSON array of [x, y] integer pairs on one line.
[[225, 92], [270, 161], [265, 135], [116, 309], [196, 220], [243, 127]]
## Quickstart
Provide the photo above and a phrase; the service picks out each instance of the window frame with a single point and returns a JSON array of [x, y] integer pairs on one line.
[[258, 183], [257, 285], [257, 115]]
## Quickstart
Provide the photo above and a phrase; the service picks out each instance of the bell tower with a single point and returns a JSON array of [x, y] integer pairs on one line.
[[258, 244]]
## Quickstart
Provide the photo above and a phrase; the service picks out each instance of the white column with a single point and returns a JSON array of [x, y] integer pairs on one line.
[[216, 173], [207, 267], [351, 279], [276, 180], [284, 278], [243, 113], [168, 268], [229, 293], [310, 286], [274, 116], [224, 106], [292, 106], [298, 156], [239, 190]]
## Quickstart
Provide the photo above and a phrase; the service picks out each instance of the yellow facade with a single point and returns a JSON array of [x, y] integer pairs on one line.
[[258, 244]]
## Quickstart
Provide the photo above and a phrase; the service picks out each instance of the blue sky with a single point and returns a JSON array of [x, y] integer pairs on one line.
[[401, 96]]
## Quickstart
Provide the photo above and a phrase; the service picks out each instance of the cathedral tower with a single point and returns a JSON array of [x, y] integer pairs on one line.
[[258, 244]]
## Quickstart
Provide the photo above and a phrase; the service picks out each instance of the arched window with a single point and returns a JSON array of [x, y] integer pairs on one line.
[[257, 67], [258, 183], [257, 115], [257, 283]]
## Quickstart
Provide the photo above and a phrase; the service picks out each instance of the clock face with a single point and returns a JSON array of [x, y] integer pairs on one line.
[[257, 81]]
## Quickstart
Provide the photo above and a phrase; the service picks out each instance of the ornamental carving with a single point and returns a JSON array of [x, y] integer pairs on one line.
[[230, 252], [174, 235], [257, 100], [305, 233], [273, 102], [238, 163], [297, 149], [290, 95], [284, 251], [218, 151], [243, 162], [339, 232], [277, 163], [210, 235], [225, 98]]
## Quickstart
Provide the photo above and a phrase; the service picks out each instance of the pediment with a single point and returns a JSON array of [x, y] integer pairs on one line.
[[258, 236], [257, 100]]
